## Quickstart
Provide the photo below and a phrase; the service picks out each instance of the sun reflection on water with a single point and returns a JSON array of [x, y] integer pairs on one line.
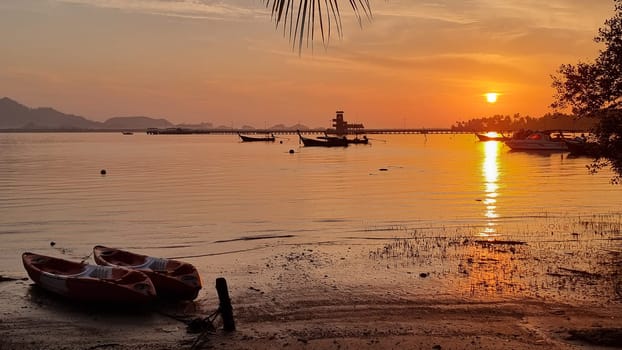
[[490, 172]]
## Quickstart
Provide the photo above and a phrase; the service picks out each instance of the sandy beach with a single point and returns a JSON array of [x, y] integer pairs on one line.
[[320, 296], [363, 174]]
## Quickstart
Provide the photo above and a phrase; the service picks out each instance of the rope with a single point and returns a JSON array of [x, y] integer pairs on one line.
[[207, 327], [203, 326]]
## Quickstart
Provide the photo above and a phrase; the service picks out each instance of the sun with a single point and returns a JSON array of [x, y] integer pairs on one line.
[[491, 97]]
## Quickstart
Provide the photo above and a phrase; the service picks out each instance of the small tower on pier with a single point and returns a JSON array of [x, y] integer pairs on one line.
[[343, 128]]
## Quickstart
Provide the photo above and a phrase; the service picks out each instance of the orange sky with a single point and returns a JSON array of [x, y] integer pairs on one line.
[[417, 64]]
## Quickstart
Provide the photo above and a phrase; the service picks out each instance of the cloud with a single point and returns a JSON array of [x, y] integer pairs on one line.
[[198, 9], [552, 14]]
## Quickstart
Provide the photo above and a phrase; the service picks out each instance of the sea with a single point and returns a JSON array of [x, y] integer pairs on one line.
[[204, 194]]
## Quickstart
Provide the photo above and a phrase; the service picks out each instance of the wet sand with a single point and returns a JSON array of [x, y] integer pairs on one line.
[[331, 296]]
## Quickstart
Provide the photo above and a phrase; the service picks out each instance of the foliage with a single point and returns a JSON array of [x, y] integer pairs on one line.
[[300, 18], [594, 90], [517, 122]]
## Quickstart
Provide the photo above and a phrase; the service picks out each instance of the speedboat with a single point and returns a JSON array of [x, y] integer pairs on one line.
[[538, 141]]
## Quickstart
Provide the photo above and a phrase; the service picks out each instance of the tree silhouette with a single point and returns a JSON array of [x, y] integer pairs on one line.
[[594, 90], [300, 18]]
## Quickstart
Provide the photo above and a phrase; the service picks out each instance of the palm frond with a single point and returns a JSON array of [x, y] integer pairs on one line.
[[300, 22]]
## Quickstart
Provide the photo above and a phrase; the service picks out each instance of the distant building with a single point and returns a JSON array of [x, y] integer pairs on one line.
[[341, 127]]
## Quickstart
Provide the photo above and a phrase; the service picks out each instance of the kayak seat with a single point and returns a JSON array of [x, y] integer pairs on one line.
[[151, 263], [96, 271]]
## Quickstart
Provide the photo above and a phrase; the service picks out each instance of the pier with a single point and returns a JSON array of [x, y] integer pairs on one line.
[[340, 128], [180, 131]]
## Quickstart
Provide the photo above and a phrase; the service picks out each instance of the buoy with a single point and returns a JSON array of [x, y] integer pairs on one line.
[[103, 171], [291, 151], [52, 244], [281, 142]]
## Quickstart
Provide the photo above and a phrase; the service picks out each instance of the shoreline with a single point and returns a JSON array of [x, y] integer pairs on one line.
[[314, 297], [323, 321]]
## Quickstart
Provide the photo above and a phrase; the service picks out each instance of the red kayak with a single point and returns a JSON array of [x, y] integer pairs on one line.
[[87, 282], [172, 278]]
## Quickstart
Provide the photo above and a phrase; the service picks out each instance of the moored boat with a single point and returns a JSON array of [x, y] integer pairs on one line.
[[359, 141], [246, 138], [538, 141], [491, 137], [324, 142], [356, 140], [579, 146], [87, 282], [171, 278]]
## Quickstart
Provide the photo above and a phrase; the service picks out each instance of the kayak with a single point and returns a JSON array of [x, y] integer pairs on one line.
[[88, 282], [172, 279]]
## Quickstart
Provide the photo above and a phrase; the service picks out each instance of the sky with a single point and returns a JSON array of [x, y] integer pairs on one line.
[[416, 64]]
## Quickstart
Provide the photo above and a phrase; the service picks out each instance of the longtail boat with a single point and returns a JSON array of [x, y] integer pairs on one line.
[[356, 140], [325, 142], [246, 138], [172, 278], [88, 282]]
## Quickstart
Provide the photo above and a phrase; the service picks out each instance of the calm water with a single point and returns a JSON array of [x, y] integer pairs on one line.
[[183, 195]]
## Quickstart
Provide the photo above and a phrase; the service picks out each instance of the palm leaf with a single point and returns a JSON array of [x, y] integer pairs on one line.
[[299, 21]]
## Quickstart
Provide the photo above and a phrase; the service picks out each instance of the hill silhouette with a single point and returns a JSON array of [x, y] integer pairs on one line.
[[15, 116], [136, 123]]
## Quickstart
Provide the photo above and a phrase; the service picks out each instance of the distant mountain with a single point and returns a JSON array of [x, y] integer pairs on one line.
[[298, 127], [136, 123], [15, 116]]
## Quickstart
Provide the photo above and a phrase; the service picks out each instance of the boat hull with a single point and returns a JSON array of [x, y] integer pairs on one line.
[[245, 138], [538, 141], [324, 142], [172, 279], [89, 283], [582, 148], [356, 141], [527, 145]]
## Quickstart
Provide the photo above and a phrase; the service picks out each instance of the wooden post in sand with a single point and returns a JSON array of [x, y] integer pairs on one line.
[[226, 310]]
